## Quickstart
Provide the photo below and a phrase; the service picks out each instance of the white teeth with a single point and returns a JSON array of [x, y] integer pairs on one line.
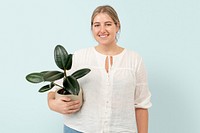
[[103, 36]]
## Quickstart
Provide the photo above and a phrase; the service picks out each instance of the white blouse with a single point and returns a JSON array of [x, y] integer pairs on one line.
[[110, 98]]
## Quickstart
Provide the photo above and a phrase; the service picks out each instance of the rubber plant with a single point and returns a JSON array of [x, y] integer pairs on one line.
[[70, 83]]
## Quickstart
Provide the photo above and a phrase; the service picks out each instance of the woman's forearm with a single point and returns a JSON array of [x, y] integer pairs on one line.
[[142, 120], [51, 96]]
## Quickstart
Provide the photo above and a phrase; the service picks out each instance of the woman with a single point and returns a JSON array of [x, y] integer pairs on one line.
[[116, 94]]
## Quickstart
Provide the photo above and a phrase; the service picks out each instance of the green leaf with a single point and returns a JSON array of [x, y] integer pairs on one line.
[[68, 65], [60, 57], [46, 88], [71, 84], [52, 75], [35, 77], [51, 85], [80, 73]]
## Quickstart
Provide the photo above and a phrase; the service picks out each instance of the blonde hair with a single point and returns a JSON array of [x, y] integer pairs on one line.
[[109, 11]]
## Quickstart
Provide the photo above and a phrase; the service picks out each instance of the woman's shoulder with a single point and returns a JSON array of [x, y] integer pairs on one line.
[[132, 53], [133, 57], [84, 54], [83, 51], [83, 57]]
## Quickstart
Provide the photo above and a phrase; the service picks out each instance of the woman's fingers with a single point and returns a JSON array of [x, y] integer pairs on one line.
[[73, 111], [72, 107], [65, 99], [72, 104]]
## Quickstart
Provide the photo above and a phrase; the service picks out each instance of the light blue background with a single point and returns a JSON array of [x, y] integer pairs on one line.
[[166, 33]]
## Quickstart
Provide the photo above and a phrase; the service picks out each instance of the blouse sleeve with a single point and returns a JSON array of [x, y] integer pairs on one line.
[[142, 93]]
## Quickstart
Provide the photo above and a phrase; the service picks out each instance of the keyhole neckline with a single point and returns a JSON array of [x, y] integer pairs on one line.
[[105, 55]]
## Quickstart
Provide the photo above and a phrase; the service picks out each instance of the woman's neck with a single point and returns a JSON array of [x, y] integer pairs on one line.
[[109, 50]]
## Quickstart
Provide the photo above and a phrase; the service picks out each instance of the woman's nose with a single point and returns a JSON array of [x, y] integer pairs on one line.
[[102, 29]]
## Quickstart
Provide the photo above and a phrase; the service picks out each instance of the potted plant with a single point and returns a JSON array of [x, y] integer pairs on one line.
[[70, 86]]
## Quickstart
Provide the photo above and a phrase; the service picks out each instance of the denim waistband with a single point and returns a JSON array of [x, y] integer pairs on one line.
[[70, 130]]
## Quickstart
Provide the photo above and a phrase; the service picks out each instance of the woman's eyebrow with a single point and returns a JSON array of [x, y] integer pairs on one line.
[[104, 22], [108, 22], [96, 23]]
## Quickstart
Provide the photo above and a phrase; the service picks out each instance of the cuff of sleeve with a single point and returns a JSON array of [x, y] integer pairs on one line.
[[145, 104]]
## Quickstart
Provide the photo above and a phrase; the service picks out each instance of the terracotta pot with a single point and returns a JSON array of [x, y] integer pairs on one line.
[[72, 97]]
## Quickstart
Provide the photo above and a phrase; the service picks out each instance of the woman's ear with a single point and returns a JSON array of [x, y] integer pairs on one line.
[[118, 27]]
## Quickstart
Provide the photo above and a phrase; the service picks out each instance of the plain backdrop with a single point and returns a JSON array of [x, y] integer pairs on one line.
[[166, 33]]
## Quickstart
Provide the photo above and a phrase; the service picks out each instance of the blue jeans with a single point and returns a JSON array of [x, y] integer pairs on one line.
[[70, 130]]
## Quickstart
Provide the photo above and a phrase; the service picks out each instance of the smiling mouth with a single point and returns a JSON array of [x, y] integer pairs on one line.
[[103, 36]]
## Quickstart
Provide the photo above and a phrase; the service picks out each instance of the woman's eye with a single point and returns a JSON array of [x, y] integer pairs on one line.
[[96, 25], [108, 24]]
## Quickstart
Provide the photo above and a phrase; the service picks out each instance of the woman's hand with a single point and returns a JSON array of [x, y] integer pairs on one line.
[[63, 105]]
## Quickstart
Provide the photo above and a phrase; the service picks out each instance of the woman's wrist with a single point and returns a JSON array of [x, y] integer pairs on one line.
[[51, 98]]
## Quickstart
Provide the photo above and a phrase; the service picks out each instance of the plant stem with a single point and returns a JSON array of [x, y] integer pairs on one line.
[[65, 72], [57, 85]]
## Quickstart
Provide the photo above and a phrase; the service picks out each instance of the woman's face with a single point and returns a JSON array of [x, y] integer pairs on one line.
[[104, 29]]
